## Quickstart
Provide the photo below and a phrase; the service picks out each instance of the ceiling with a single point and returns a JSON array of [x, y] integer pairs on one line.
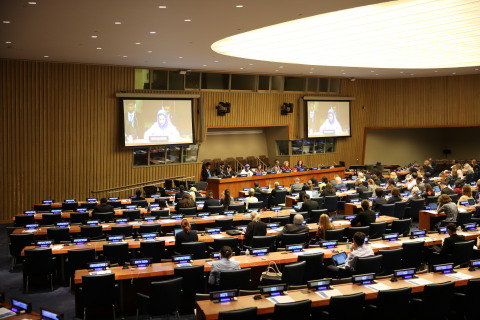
[[65, 30]]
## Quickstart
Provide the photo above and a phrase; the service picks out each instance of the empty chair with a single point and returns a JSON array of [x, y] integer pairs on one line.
[[103, 216], [387, 209], [392, 304], [331, 204], [299, 238], [97, 291], [88, 205], [149, 190], [315, 215], [17, 243], [346, 307], [335, 234], [463, 218], [399, 209], [77, 259], [69, 206], [293, 274], [462, 252], [436, 300], [225, 224], [352, 230], [401, 227], [193, 282], [154, 249], [299, 310], [231, 242], [366, 194], [78, 217], [239, 208], [92, 232], [51, 218], [165, 298], [279, 197], [116, 253], [351, 196], [132, 214], [372, 264], [197, 248], [149, 228], [235, 279], [314, 266], [282, 220], [140, 203], [201, 185], [58, 234], [38, 262], [42, 207], [125, 230], [263, 242], [255, 205], [165, 214], [319, 200], [469, 299], [241, 314], [431, 199], [216, 209], [377, 229], [415, 206], [23, 220], [115, 204], [454, 197], [412, 254], [392, 260], [188, 211]]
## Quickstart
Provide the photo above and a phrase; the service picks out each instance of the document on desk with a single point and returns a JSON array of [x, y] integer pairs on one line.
[[96, 273], [170, 239], [281, 299], [378, 245], [5, 313], [328, 293], [217, 236], [57, 247], [459, 276], [30, 230], [309, 252], [378, 287], [419, 281]]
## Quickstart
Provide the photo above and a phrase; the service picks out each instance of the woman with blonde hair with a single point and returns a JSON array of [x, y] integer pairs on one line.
[[324, 224], [372, 186], [255, 228], [251, 197]]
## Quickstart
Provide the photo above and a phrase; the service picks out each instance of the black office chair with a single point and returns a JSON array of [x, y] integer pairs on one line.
[[454, 197], [415, 206], [315, 215], [287, 239], [69, 206], [50, 219], [140, 203], [431, 199], [22, 220], [38, 262], [299, 310], [197, 248], [193, 282], [16, 245], [165, 298], [188, 211], [391, 304], [231, 242], [466, 302], [241, 314], [279, 198], [263, 242], [331, 204], [366, 194], [293, 273], [377, 229], [235, 279], [58, 234], [352, 230], [399, 209], [392, 260], [116, 253], [351, 196], [78, 217], [216, 209], [88, 205], [314, 266], [412, 254], [319, 200], [462, 252], [77, 259], [255, 205], [132, 215], [346, 307], [97, 291], [387, 209], [104, 217], [125, 230], [282, 220], [225, 224], [149, 190], [402, 227], [42, 207], [463, 218], [262, 199], [149, 228], [335, 234], [92, 232], [115, 204], [435, 302], [372, 264], [154, 249], [239, 208]]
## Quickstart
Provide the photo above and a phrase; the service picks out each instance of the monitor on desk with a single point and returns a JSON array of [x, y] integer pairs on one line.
[[260, 251], [418, 234], [47, 201], [294, 247], [404, 273], [150, 218], [115, 238], [330, 244], [69, 200], [44, 243], [469, 226], [92, 222], [49, 314], [122, 220], [56, 211], [63, 224], [213, 230], [182, 258], [80, 241], [176, 216], [113, 198], [223, 296], [443, 268], [19, 305], [390, 237], [203, 214], [32, 226]]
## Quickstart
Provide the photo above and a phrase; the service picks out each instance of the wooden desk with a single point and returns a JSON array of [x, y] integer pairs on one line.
[[24, 316], [209, 311], [238, 184], [428, 218]]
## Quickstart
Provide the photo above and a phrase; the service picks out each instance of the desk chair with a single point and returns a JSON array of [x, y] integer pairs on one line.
[[352, 230], [399, 209], [231, 242], [467, 301], [263, 242], [88, 205], [320, 201], [225, 224], [58, 234], [335, 234], [116, 253], [293, 273], [188, 211], [239, 208], [392, 260], [132, 215], [42, 207], [97, 291], [201, 185], [16, 245], [314, 266], [436, 300], [262, 198], [154, 249], [115, 204], [197, 248], [104, 217], [415, 206], [391, 304], [286, 239], [77, 259], [315, 215], [282, 220], [366, 194], [38, 262], [162, 214], [78, 217], [279, 197], [50, 219], [125, 230], [140, 203], [377, 229], [235, 279], [412, 254], [193, 282], [216, 209], [149, 228], [299, 310], [463, 218], [431, 199], [165, 298], [92, 232], [454, 197], [462, 252], [22, 220], [69, 206], [372, 264], [345, 307], [255, 205], [387, 209], [331, 204], [401, 226], [241, 314]]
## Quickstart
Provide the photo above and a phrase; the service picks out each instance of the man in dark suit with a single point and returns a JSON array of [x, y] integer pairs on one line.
[[364, 218], [210, 201], [379, 200], [361, 188], [221, 170], [131, 122], [255, 228], [256, 187], [444, 189], [294, 228], [206, 172], [103, 207], [138, 195], [308, 205], [444, 253], [179, 195]]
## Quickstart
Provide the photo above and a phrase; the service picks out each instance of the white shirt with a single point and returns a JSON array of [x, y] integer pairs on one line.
[[362, 251]]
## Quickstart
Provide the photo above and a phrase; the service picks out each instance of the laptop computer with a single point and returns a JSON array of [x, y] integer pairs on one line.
[[339, 259]]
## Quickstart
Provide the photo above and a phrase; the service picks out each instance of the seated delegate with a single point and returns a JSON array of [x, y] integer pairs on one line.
[[224, 264], [365, 217]]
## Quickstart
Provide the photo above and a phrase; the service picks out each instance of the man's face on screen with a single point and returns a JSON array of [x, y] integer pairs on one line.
[[161, 120]]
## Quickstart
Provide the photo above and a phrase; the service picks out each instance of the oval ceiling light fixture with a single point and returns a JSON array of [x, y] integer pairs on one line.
[[412, 34]]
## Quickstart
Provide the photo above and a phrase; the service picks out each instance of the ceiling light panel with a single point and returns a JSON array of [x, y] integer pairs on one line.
[[414, 34]]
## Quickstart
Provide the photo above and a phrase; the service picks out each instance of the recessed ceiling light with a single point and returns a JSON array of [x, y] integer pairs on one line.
[[310, 72], [476, 69], [343, 73], [8, 42], [32, 2], [138, 43], [250, 64], [149, 51], [162, 7], [153, 32], [99, 48], [118, 22], [276, 70], [372, 71], [281, 67], [204, 65], [6, 21], [241, 68], [187, 20], [125, 56], [401, 71], [215, 61], [435, 71], [411, 74], [164, 61], [376, 74], [46, 56], [180, 57], [94, 37], [454, 73], [239, 6]]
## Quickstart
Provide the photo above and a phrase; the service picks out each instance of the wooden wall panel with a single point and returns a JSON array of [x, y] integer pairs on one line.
[[60, 124]]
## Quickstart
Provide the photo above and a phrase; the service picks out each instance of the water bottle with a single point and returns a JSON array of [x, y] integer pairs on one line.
[[247, 252], [348, 245]]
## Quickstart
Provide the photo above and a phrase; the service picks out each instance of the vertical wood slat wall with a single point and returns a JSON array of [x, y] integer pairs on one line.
[[61, 127]]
